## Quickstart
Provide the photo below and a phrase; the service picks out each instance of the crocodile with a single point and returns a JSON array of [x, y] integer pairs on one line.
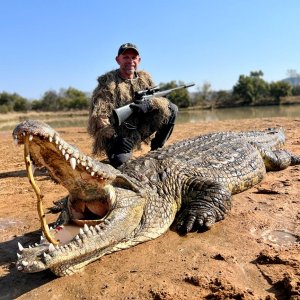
[[187, 186]]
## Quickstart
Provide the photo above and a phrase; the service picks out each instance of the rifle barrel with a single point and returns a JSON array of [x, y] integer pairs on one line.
[[166, 92]]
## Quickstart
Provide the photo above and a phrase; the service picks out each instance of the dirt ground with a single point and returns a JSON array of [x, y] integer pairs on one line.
[[253, 254]]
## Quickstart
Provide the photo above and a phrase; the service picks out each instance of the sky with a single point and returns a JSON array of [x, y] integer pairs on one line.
[[49, 45]]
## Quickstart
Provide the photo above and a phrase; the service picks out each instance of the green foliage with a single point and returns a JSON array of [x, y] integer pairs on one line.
[[223, 99], [251, 89], [13, 102], [50, 102], [280, 89], [37, 105], [256, 74], [76, 99], [180, 97], [64, 100], [296, 90]]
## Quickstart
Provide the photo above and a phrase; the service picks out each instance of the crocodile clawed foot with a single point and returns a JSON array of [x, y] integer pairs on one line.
[[190, 220], [58, 206]]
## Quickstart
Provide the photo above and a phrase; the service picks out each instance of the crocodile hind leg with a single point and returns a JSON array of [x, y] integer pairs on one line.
[[277, 159], [205, 203]]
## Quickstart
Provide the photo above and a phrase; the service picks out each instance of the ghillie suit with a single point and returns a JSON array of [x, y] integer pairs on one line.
[[112, 92]]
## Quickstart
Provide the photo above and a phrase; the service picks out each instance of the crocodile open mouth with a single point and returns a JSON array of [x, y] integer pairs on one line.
[[89, 212], [82, 213]]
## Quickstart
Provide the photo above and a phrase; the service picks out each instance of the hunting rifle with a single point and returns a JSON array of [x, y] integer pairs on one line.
[[122, 113]]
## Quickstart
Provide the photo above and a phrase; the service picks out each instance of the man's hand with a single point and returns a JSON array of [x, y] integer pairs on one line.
[[141, 106]]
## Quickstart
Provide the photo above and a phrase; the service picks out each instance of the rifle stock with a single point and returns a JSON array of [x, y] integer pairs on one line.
[[121, 114]]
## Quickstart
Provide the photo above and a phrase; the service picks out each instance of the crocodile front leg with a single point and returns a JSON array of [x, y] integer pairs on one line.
[[205, 203]]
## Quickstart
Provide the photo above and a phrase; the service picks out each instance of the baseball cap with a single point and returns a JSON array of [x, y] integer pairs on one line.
[[127, 46]]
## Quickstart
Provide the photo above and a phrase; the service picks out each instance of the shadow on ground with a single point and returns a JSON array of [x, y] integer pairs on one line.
[[14, 283]]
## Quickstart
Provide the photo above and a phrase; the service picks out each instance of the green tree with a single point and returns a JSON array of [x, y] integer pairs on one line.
[[49, 102], [76, 99], [37, 105], [280, 89], [296, 90], [13, 102], [251, 89], [180, 97], [6, 102], [21, 104], [223, 99], [63, 100]]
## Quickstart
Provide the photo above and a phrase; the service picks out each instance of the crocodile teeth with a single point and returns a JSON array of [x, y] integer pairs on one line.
[[20, 268], [73, 162], [30, 138], [46, 255], [86, 228], [25, 263], [19, 255], [60, 147], [63, 151], [51, 247], [21, 248], [92, 173], [79, 242], [67, 156], [50, 139], [81, 232]]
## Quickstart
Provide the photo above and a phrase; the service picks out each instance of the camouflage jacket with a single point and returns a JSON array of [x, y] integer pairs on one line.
[[112, 92]]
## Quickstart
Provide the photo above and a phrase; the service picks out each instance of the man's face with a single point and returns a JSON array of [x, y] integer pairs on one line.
[[128, 62]]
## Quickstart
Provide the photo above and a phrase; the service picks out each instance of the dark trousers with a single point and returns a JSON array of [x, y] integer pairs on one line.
[[163, 134], [121, 150]]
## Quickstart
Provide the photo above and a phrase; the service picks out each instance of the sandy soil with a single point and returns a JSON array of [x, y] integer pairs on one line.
[[252, 254]]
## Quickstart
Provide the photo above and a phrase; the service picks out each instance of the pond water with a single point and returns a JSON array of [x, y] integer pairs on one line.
[[192, 116], [187, 116]]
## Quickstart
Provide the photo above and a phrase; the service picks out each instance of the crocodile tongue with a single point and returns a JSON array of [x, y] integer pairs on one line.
[[92, 212], [93, 207]]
